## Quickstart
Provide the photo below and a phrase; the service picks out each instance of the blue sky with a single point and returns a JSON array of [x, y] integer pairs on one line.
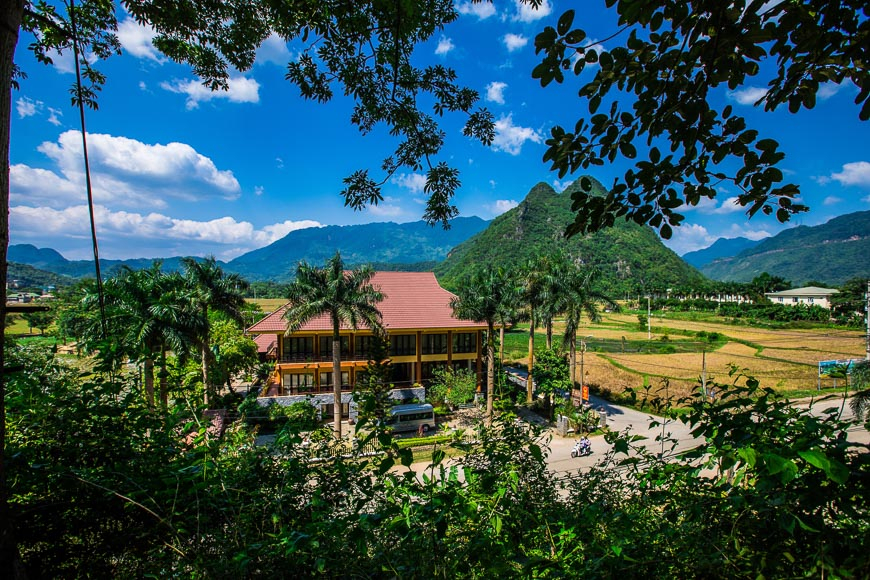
[[180, 170]]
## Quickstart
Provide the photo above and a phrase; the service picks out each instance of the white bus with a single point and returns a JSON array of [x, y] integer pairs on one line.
[[411, 417]]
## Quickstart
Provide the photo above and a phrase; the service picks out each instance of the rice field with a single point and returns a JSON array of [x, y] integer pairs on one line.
[[268, 305], [619, 355]]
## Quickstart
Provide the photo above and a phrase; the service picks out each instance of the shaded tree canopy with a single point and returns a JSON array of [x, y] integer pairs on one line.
[[653, 99]]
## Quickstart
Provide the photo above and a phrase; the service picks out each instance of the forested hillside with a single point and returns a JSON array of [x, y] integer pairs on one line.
[[630, 258], [380, 243], [833, 252]]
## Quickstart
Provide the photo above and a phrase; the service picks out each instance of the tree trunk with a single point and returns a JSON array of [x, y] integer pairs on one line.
[[549, 333], [530, 385], [11, 12], [206, 359], [501, 343], [164, 394], [490, 372], [149, 381], [572, 361], [336, 380]]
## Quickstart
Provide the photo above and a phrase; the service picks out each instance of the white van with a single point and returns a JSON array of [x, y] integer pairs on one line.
[[411, 417]]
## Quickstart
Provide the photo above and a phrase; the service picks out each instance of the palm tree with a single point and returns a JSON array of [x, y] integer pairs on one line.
[[535, 295], [345, 297], [212, 290], [148, 313], [483, 298], [579, 299]]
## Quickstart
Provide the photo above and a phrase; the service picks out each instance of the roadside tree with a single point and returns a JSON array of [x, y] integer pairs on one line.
[[344, 297], [483, 297]]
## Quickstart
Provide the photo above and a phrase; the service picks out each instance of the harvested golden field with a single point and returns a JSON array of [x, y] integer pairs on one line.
[[267, 305], [786, 360]]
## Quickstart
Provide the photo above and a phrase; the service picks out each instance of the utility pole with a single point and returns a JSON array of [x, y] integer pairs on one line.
[[648, 314], [582, 373], [867, 318], [704, 373]]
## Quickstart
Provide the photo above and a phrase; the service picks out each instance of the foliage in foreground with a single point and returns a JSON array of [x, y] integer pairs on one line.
[[102, 485]]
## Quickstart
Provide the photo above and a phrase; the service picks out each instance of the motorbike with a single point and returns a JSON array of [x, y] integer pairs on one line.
[[582, 448]]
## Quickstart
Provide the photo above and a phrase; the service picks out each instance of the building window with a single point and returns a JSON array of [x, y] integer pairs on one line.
[[363, 346], [428, 369], [326, 379], [795, 300], [326, 347], [298, 382], [434, 344], [403, 345], [780, 298], [811, 300], [297, 348], [465, 342]]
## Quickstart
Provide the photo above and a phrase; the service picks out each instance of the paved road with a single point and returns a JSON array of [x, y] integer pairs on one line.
[[654, 429]]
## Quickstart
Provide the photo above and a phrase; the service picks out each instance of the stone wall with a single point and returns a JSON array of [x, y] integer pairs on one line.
[[399, 395]]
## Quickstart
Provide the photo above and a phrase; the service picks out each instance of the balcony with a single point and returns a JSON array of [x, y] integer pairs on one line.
[[311, 357]]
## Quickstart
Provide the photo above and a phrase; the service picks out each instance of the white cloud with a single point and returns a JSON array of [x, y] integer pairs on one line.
[[274, 50], [689, 237], [829, 89], [514, 41], [241, 90], [63, 63], [53, 116], [27, 107], [741, 231], [385, 210], [414, 182], [482, 10], [747, 96], [279, 163], [258, 190], [856, 173], [502, 205], [709, 206], [445, 45], [141, 235], [528, 13], [510, 138], [136, 39], [561, 185], [495, 92], [866, 199], [832, 200], [123, 171]]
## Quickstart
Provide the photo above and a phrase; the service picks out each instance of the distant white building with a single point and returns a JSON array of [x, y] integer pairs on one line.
[[811, 296]]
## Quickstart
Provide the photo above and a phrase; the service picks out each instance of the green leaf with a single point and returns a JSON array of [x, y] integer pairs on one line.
[[496, 524], [565, 22], [816, 458], [748, 455]]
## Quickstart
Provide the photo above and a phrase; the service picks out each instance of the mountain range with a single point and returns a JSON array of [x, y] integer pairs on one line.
[[629, 257], [832, 252], [721, 248]]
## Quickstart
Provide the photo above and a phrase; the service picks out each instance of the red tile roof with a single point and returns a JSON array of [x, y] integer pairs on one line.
[[265, 342], [412, 300]]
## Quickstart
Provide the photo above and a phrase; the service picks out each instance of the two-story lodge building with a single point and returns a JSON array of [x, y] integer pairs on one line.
[[422, 332]]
